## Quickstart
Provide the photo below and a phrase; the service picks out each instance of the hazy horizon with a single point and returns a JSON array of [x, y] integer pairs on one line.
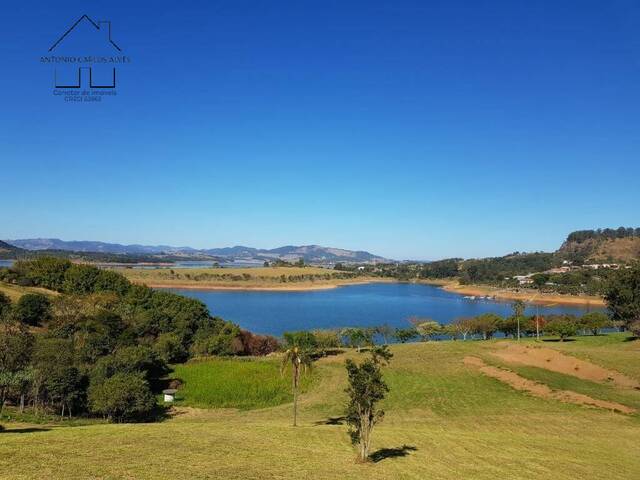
[[269, 247]]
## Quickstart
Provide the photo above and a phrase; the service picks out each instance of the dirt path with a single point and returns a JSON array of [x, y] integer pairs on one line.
[[540, 389], [555, 361]]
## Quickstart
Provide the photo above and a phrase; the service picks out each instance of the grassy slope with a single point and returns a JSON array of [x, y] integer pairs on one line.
[[15, 291], [462, 425]]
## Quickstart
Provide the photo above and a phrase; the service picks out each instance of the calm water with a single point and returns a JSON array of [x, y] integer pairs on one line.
[[356, 305]]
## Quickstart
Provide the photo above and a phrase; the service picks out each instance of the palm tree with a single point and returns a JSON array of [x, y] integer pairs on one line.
[[518, 312], [300, 361]]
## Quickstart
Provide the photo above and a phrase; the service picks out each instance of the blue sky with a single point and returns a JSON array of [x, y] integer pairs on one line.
[[412, 129]]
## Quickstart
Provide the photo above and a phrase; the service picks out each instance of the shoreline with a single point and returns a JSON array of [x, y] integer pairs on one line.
[[530, 297], [259, 288], [533, 297]]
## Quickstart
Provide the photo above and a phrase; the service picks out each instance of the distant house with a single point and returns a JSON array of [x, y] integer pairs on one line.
[[524, 279], [558, 270]]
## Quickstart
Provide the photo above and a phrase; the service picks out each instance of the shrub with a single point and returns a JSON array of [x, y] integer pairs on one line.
[[327, 339], [220, 338], [5, 304], [33, 309], [403, 335], [109, 281], [48, 272], [80, 279], [139, 359], [169, 348], [122, 397], [258, 345]]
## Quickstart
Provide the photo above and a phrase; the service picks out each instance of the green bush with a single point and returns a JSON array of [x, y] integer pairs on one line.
[[122, 397], [33, 309], [220, 338], [169, 348]]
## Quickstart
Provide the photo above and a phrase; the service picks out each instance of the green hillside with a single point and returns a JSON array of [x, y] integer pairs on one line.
[[444, 420]]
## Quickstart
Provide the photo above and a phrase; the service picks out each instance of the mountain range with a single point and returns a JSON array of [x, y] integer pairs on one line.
[[310, 253]]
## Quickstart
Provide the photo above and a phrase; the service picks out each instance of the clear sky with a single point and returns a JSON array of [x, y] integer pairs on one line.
[[412, 129]]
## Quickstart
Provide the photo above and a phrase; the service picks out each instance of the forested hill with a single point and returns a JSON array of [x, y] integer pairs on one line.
[[602, 245], [8, 251]]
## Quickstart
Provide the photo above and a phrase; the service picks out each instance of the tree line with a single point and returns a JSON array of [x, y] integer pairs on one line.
[[102, 345], [581, 236]]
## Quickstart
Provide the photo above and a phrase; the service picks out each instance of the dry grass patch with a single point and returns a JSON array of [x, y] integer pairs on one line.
[[555, 361]]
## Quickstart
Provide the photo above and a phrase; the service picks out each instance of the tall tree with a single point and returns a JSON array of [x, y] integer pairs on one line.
[[366, 389], [518, 312], [16, 345], [300, 361], [623, 296]]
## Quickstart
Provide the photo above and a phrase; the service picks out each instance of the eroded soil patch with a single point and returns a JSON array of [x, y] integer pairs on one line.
[[540, 389], [555, 361]]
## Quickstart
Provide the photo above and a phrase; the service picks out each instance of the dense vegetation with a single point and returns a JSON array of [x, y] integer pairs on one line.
[[103, 345], [581, 236]]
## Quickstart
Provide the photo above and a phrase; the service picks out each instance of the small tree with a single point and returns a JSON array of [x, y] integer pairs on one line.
[[366, 389], [385, 331], [403, 335], [300, 360], [486, 324], [594, 321], [358, 337], [427, 329], [122, 397], [461, 326], [563, 326]]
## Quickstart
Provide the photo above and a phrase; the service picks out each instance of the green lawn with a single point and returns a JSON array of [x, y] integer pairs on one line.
[[234, 383], [443, 420]]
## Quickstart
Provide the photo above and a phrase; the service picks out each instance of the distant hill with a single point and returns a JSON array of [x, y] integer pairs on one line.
[[9, 251], [603, 245], [310, 253], [92, 246]]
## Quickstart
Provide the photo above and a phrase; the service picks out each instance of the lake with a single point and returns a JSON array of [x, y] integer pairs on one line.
[[354, 305]]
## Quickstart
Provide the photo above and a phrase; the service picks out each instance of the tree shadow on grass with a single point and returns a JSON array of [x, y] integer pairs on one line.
[[331, 421], [557, 340], [24, 430], [385, 453]]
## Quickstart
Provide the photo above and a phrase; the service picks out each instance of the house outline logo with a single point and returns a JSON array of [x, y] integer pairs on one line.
[[97, 25], [86, 67]]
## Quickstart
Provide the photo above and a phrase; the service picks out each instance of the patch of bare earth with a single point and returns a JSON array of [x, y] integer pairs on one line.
[[555, 361], [540, 389]]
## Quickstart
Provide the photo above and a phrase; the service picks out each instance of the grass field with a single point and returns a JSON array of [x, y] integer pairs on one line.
[[14, 292], [237, 383], [444, 420], [266, 278]]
